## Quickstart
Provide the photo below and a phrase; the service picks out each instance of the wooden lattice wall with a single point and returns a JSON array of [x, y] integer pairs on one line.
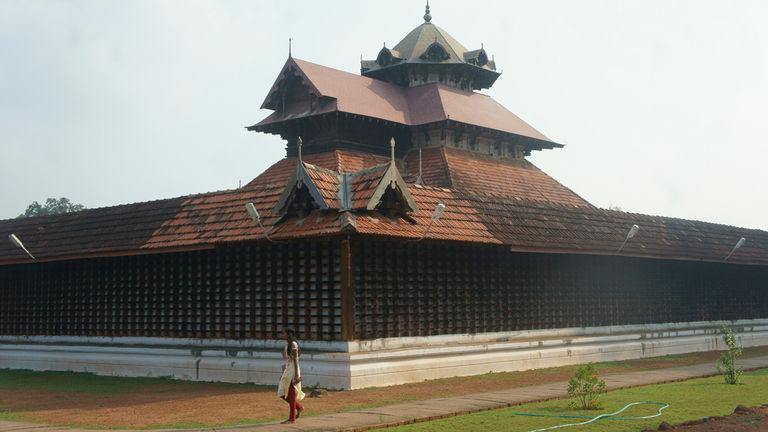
[[249, 291], [340, 290], [422, 288]]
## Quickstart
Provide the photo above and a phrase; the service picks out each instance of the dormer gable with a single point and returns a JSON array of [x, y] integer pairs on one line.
[[380, 188], [309, 188], [293, 90], [387, 57], [476, 57], [435, 53]]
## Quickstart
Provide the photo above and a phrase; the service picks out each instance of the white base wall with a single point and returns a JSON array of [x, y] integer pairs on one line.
[[359, 364]]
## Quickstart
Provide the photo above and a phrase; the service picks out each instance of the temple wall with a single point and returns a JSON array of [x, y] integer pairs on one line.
[[422, 310], [236, 292], [407, 289], [368, 363]]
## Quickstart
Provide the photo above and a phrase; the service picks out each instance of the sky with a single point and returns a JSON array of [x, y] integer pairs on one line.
[[661, 103]]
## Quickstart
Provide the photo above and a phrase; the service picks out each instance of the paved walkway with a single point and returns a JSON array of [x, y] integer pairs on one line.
[[419, 411]]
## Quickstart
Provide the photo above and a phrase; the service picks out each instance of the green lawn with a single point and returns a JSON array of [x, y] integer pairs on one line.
[[79, 382], [688, 400]]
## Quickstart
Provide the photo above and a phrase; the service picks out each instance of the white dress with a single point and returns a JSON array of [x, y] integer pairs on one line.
[[288, 374]]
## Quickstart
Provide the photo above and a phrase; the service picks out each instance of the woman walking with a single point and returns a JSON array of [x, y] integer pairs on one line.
[[290, 383]]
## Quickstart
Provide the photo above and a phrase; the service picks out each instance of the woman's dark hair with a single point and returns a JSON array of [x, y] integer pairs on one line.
[[292, 337]]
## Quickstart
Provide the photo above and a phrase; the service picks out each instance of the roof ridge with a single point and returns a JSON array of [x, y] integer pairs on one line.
[[337, 155], [370, 169], [451, 182], [115, 206], [320, 168], [446, 115], [450, 40], [559, 183], [357, 76], [673, 218]]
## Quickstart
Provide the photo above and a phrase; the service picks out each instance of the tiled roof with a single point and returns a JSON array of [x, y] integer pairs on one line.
[[481, 174], [327, 183], [412, 106], [341, 161], [363, 184], [543, 227], [201, 221]]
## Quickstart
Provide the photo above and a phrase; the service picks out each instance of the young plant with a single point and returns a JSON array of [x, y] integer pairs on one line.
[[727, 362], [586, 387]]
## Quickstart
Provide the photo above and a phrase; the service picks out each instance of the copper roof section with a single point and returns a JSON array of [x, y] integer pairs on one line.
[[430, 103], [432, 46]]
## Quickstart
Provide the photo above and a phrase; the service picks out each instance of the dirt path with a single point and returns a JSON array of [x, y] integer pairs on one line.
[[161, 403], [742, 420]]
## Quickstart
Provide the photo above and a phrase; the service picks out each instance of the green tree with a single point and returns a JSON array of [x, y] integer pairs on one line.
[[51, 206], [727, 362]]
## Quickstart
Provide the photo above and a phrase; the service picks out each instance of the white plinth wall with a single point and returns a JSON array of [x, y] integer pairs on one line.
[[380, 362]]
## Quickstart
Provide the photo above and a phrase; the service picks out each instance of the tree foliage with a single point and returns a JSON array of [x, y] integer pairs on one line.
[[51, 206]]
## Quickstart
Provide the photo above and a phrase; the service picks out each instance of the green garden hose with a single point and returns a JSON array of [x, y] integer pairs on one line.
[[609, 416]]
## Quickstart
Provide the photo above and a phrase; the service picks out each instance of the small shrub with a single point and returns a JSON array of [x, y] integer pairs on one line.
[[586, 387], [727, 362]]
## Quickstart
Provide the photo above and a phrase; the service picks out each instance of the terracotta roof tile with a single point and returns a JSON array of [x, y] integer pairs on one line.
[[204, 220], [341, 161], [363, 184], [327, 183], [543, 227], [480, 174]]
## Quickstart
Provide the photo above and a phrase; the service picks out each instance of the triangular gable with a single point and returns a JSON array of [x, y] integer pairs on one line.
[[394, 181], [290, 70], [313, 183], [368, 188]]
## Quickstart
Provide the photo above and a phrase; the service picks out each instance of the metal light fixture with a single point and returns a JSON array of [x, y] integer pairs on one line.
[[437, 213], [630, 234], [254, 214], [739, 244], [17, 242]]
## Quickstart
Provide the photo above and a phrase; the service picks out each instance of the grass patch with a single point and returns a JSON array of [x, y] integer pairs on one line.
[[688, 400], [8, 415], [84, 400], [85, 382], [70, 382]]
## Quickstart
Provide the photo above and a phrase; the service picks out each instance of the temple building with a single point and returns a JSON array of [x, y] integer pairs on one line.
[[405, 236]]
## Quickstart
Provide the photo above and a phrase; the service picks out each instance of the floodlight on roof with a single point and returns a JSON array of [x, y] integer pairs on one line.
[[437, 213], [632, 231], [254, 214], [17, 242], [738, 244]]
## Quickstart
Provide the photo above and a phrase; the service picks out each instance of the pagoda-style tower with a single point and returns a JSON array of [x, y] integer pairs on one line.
[[428, 54], [421, 93]]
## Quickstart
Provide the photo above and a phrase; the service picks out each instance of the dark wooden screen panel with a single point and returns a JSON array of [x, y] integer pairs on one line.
[[424, 288], [248, 291]]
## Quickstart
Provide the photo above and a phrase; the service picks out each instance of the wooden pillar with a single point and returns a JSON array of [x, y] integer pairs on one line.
[[347, 292]]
